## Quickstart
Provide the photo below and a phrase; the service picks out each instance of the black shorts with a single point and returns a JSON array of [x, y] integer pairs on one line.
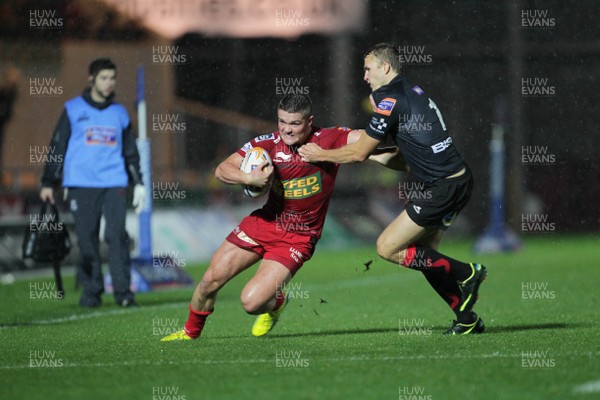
[[437, 204]]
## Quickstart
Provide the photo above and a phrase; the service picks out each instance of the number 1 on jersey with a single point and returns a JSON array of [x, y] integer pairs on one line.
[[439, 114]]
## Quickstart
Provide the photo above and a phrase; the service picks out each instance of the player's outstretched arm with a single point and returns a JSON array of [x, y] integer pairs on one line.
[[353, 152], [389, 157], [229, 172]]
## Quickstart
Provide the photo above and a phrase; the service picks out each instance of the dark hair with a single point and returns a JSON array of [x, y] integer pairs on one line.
[[387, 52], [99, 64], [296, 103]]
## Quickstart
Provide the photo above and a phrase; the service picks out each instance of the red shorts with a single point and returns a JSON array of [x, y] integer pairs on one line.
[[265, 239]]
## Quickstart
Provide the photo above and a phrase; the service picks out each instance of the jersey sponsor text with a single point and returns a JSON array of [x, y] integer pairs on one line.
[[300, 188]]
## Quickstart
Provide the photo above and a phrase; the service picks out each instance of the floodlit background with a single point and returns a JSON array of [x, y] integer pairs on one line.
[[357, 327], [216, 69]]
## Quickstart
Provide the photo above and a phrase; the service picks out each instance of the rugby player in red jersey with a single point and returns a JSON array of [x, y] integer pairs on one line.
[[284, 232]]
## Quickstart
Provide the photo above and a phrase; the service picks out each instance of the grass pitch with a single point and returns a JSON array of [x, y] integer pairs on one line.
[[349, 333]]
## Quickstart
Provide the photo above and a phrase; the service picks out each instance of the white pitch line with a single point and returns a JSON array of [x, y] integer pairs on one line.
[[338, 285], [589, 387], [273, 360], [94, 314]]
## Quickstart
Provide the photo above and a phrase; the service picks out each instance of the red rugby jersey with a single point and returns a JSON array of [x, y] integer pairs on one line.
[[300, 194]]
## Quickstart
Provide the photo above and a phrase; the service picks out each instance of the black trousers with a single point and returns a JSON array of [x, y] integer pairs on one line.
[[88, 205]]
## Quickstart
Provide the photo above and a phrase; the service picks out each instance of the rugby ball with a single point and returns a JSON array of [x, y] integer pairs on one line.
[[254, 157]]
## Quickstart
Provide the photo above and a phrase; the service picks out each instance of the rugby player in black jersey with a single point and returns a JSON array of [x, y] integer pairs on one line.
[[405, 112]]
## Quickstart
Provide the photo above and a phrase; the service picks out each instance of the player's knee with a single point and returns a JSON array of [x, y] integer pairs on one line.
[[389, 252], [383, 253], [400, 254], [384, 250], [381, 247], [251, 305]]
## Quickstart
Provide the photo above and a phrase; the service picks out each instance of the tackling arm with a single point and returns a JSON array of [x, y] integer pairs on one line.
[[353, 152], [390, 157]]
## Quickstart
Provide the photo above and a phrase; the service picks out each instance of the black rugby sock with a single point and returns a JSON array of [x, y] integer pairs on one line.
[[447, 288], [424, 258]]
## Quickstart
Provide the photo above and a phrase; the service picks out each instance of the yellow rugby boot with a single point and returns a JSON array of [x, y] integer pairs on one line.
[[176, 336], [265, 322]]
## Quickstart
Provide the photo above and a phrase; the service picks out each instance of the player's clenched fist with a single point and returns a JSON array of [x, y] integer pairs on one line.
[[310, 152]]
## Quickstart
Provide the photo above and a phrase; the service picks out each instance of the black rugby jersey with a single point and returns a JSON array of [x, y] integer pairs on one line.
[[405, 112]]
